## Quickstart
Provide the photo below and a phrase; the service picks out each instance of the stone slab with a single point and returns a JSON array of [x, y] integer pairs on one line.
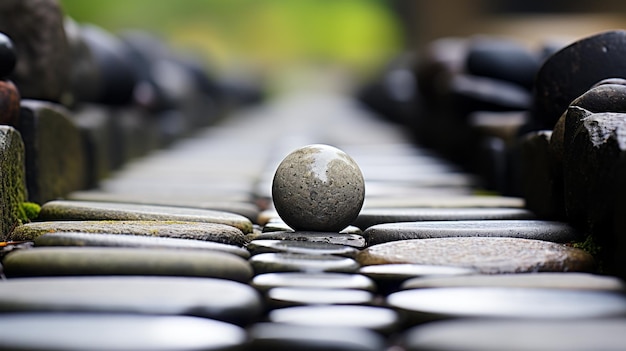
[[372, 216], [455, 201], [545, 280], [492, 335], [264, 282], [293, 296], [121, 240], [300, 247], [12, 173], [89, 210], [486, 255], [205, 297], [67, 261], [526, 229], [183, 230], [111, 332], [522, 303], [294, 262], [284, 337], [353, 240]]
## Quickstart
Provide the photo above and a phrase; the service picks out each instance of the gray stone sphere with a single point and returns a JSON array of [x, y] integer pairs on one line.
[[318, 188]]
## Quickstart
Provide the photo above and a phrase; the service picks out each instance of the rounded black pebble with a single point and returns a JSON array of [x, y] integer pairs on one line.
[[7, 56]]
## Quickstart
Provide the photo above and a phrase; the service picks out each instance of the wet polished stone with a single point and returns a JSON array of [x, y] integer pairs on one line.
[[527, 229], [117, 332], [220, 233], [493, 335], [353, 240], [264, 282], [373, 216], [301, 247], [91, 210], [389, 277], [375, 318], [442, 303], [294, 296], [486, 255], [205, 297], [547, 280], [121, 240], [446, 201], [288, 337], [318, 187], [295, 262]]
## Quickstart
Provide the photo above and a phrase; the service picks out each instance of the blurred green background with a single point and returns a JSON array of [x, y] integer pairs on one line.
[[268, 35]]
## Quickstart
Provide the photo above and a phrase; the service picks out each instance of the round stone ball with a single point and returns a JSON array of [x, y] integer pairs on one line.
[[7, 56], [318, 188]]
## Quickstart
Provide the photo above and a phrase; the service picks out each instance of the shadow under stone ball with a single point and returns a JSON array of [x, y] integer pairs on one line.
[[318, 188]]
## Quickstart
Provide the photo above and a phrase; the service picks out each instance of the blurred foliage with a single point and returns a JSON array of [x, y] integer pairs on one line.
[[267, 34]]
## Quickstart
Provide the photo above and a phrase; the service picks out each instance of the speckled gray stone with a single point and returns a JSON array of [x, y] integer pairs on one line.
[[221, 233], [302, 247], [486, 255], [527, 229], [318, 188]]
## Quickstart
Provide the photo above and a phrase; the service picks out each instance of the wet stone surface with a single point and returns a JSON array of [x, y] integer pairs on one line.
[[295, 296], [353, 240], [264, 282], [295, 262], [300, 247]]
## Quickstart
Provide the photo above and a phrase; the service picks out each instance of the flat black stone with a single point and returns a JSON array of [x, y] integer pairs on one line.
[[492, 335], [380, 319], [121, 240], [353, 240], [443, 303], [294, 296], [295, 262], [302, 247], [525, 229], [117, 332], [372, 216], [204, 297], [288, 337], [65, 261], [264, 282]]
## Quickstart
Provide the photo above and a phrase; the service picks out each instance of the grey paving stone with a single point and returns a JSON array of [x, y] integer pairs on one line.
[[121, 240], [111, 332], [89, 210], [266, 281], [55, 158], [294, 296], [287, 337], [492, 335], [301, 247], [389, 277], [12, 172], [442, 303], [184, 230], [63, 261], [449, 201], [559, 232], [246, 209], [295, 262], [486, 255], [379, 319], [372, 216], [205, 297], [352, 240], [548, 280]]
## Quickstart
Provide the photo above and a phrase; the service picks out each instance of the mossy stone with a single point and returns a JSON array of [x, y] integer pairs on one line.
[[12, 179]]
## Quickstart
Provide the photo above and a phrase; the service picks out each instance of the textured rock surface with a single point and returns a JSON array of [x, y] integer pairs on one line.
[[12, 174], [318, 188]]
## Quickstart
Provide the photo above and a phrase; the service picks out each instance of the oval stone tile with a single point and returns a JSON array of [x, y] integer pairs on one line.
[[486, 255], [117, 332], [300, 247], [439, 303], [205, 297], [287, 337], [527, 229], [448, 201], [294, 262], [389, 277], [369, 317], [495, 335], [59, 261], [294, 296], [183, 230], [548, 280], [266, 281], [121, 240], [353, 240], [61, 210], [372, 216]]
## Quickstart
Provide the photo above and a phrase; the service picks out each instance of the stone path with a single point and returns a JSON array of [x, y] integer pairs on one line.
[[184, 248]]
